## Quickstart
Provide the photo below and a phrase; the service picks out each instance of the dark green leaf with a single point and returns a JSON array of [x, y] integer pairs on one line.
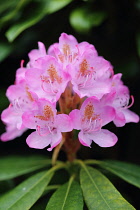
[[138, 43], [83, 20], [6, 185], [99, 193], [27, 193], [55, 5], [4, 101], [128, 172], [43, 8], [67, 197], [19, 5], [6, 5], [14, 166], [5, 50]]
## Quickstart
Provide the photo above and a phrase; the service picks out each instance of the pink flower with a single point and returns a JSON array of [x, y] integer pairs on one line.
[[68, 51], [72, 77], [21, 100], [13, 122], [91, 76], [89, 120], [48, 125], [47, 80], [119, 98]]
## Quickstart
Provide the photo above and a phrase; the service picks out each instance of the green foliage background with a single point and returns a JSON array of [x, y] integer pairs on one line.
[[113, 26]]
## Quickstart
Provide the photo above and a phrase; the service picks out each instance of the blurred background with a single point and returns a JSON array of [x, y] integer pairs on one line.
[[112, 26]]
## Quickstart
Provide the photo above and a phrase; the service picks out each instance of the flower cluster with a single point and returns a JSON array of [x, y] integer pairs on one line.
[[66, 89]]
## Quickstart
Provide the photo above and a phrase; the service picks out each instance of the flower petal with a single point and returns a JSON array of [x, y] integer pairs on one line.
[[36, 141], [10, 116], [63, 123], [84, 139], [67, 39], [76, 119], [29, 119], [107, 115], [12, 132], [130, 116], [55, 140], [104, 138], [119, 120]]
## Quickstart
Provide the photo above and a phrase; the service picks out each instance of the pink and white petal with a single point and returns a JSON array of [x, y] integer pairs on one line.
[[108, 98], [130, 116], [42, 48], [84, 139], [88, 48], [34, 140], [107, 115], [99, 89], [67, 39], [63, 123], [20, 74], [28, 119], [55, 140], [104, 138], [11, 133], [15, 91], [53, 50], [9, 116], [32, 77], [76, 119], [36, 53], [119, 120]]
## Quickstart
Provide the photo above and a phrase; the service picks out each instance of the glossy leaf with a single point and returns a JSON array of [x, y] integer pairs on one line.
[[27, 193], [67, 197], [128, 172], [43, 8], [83, 20], [6, 5], [15, 12], [55, 5], [138, 43], [14, 166], [5, 50], [99, 193]]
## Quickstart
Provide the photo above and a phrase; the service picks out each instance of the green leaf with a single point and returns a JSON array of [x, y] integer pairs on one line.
[[4, 101], [67, 197], [5, 50], [14, 166], [43, 8], [99, 193], [83, 19], [20, 4], [27, 193], [138, 43], [126, 171], [55, 5], [27, 22], [6, 5]]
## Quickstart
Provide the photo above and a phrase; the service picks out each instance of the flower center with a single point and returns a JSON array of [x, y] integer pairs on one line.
[[84, 68], [88, 112], [53, 74], [29, 95], [66, 49], [48, 114]]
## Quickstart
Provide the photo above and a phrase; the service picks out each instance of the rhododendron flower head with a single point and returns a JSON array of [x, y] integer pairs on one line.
[[68, 88]]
